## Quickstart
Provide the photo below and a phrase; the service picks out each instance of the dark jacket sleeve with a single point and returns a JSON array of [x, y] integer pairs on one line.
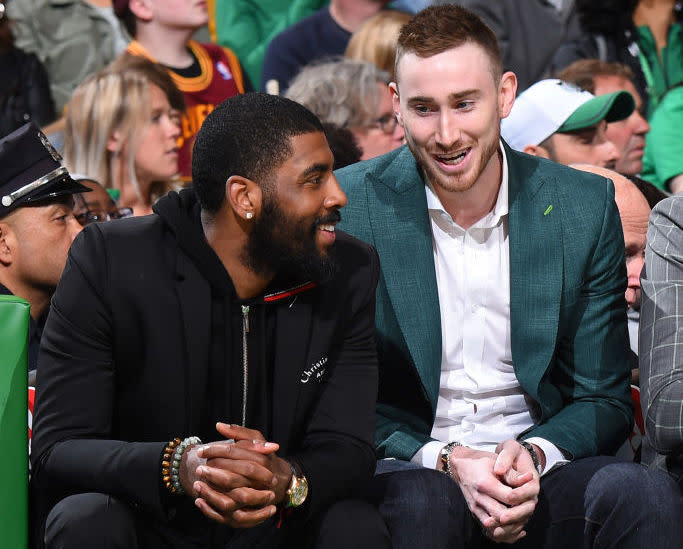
[[337, 454], [72, 446]]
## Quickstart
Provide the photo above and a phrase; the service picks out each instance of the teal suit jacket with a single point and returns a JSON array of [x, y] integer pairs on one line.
[[567, 307]]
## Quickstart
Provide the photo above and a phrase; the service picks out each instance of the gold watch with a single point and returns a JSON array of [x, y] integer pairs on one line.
[[298, 488]]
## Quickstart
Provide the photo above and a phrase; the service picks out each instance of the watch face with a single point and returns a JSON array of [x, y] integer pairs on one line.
[[298, 491]]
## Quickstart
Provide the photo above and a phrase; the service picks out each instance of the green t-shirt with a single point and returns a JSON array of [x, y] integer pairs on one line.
[[248, 26], [663, 157], [662, 73]]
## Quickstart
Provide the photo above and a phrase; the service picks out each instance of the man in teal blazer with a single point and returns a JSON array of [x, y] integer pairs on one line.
[[567, 309], [560, 348]]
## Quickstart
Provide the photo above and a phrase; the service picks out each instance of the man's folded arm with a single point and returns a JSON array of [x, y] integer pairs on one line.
[[72, 450], [591, 361], [337, 454]]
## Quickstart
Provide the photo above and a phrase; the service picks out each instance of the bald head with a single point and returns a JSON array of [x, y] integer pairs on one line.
[[634, 212]]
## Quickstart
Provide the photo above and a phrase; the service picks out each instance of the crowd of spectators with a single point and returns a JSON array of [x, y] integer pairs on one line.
[[102, 102]]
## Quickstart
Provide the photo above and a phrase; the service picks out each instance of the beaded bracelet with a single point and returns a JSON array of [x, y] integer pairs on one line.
[[170, 463]]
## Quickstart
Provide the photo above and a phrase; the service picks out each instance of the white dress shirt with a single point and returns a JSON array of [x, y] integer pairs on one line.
[[481, 402]]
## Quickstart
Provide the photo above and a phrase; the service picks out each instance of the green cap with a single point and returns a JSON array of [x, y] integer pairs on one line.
[[610, 107]]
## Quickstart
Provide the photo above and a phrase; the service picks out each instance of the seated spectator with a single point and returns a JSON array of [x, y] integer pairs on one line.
[[628, 135], [205, 73], [342, 144], [353, 95], [501, 326], [72, 38], [37, 224], [97, 205], [121, 130], [663, 160], [633, 212], [556, 120], [24, 88], [644, 35], [322, 35], [236, 303], [661, 339], [375, 41]]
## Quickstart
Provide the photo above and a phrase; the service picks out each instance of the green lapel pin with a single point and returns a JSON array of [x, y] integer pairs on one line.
[[548, 210]]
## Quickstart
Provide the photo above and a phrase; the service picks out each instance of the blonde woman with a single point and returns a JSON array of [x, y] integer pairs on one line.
[[122, 127]]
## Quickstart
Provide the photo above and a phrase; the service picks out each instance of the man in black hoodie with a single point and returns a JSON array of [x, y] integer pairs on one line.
[[237, 308]]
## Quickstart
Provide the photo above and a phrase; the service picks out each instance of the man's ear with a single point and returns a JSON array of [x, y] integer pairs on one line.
[[7, 239], [537, 150], [141, 9], [243, 196], [396, 102], [507, 91]]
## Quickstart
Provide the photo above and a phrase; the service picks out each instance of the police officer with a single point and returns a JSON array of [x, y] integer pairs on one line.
[[37, 224]]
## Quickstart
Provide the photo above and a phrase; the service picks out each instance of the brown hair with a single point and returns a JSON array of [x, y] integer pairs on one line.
[[127, 17], [583, 72], [375, 41], [437, 29]]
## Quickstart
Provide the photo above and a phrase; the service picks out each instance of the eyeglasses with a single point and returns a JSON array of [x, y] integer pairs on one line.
[[386, 123], [88, 217]]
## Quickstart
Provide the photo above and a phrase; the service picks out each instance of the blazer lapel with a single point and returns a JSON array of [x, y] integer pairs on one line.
[[291, 350], [535, 271], [407, 263], [194, 295]]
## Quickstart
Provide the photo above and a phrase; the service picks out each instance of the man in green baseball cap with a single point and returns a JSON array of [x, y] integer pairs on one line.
[[559, 121]]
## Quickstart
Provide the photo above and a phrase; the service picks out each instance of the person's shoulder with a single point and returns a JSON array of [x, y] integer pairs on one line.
[[214, 50], [399, 159], [293, 33], [350, 246], [135, 232], [566, 180], [355, 259], [669, 211]]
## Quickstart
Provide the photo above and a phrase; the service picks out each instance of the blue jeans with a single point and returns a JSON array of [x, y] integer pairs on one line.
[[599, 502]]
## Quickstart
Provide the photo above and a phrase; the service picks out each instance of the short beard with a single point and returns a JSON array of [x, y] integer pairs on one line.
[[452, 183], [281, 246]]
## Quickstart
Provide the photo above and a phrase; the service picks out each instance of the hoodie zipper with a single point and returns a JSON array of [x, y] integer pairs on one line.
[[245, 362]]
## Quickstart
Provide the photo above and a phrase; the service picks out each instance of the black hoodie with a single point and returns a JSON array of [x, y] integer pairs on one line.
[[241, 362]]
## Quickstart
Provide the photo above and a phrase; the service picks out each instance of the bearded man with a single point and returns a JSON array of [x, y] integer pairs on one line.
[[236, 308]]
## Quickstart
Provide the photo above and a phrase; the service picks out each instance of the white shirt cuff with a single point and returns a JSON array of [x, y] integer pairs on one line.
[[553, 456], [428, 455]]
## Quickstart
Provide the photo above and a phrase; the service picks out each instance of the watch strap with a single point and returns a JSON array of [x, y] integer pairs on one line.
[[534, 456], [445, 456]]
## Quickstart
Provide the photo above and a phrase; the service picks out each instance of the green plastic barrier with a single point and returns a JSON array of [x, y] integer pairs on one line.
[[14, 322]]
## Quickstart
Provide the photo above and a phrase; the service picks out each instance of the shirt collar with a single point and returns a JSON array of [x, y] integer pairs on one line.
[[499, 210]]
